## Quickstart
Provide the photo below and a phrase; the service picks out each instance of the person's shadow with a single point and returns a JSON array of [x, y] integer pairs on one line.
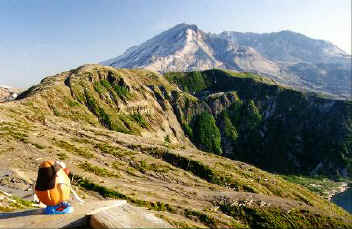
[[9, 215]]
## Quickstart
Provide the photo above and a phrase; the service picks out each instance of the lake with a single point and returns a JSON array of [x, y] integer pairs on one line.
[[344, 199]]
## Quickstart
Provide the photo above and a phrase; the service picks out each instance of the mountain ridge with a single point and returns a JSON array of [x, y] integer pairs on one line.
[[276, 55]]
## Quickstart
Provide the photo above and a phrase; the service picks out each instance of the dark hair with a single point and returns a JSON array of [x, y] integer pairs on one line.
[[46, 178]]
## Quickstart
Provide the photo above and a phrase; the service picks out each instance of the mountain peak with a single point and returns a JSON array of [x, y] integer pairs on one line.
[[184, 26], [179, 31], [277, 55]]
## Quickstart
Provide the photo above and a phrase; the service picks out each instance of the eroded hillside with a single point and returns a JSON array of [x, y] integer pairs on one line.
[[120, 132], [270, 126]]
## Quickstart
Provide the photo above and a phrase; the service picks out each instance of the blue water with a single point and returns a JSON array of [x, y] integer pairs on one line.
[[344, 199]]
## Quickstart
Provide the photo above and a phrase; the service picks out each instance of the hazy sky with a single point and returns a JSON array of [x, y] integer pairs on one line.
[[40, 37]]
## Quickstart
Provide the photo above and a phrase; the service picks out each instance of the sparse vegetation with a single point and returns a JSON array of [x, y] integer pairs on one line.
[[22, 203], [38, 146], [272, 217], [229, 130], [62, 156], [143, 166], [109, 193], [73, 149], [190, 82], [7, 149], [167, 139], [122, 91], [13, 131], [204, 218], [207, 134], [178, 182], [140, 120], [200, 170], [317, 184], [263, 112], [104, 118], [114, 150], [102, 172], [71, 103], [13, 203], [188, 130]]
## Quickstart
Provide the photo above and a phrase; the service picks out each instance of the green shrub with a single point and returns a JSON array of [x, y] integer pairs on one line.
[[204, 218], [98, 87], [122, 91], [104, 118], [105, 83], [139, 119], [206, 133], [38, 146], [144, 166], [167, 139], [188, 130], [103, 191], [252, 115], [192, 82], [234, 112], [229, 130], [71, 103]]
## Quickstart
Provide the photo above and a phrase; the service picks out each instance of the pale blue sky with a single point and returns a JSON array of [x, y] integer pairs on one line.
[[40, 37]]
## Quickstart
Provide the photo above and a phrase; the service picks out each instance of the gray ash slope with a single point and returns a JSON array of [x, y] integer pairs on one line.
[[289, 58]]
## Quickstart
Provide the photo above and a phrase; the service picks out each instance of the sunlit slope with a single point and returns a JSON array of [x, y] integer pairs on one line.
[[78, 117]]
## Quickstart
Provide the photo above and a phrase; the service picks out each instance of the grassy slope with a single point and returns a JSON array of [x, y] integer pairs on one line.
[[270, 119], [183, 185]]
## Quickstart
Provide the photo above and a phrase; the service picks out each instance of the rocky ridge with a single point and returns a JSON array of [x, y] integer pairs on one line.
[[287, 57]]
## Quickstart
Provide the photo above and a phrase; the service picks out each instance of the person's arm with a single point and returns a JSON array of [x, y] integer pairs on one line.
[[60, 190], [76, 196], [35, 197]]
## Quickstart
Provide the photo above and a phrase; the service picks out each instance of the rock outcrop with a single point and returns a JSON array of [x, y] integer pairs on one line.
[[8, 93]]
